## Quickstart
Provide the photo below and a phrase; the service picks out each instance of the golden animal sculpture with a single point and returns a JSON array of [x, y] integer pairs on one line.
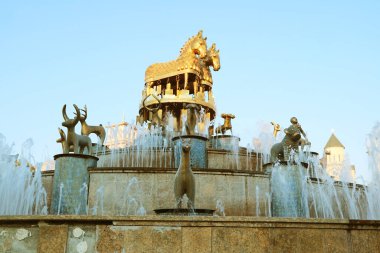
[[226, 125], [212, 59], [87, 130], [73, 139], [187, 61]]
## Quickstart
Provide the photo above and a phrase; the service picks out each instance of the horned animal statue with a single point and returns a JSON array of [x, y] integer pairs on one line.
[[87, 130], [191, 120], [184, 181], [75, 140], [85, 143], [226, 125]]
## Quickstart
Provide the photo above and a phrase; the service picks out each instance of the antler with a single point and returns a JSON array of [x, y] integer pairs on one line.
[[84, 112], [64, 113], [76, 119]]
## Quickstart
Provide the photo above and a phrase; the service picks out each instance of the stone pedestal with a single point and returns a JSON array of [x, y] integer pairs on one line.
[[226, 142], [288, 189], [70, 186], [198, 154]]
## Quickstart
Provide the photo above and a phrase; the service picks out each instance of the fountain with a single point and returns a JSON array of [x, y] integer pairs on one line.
[[175, 182]]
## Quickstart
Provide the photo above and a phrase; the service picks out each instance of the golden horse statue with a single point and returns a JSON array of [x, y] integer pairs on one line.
[[187, 62], [212, 59]]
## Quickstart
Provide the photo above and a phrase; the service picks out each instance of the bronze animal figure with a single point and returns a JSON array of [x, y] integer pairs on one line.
[[87, 130], [191, 119], [83, 142], [73, 139], [184, 181], [226, 125]]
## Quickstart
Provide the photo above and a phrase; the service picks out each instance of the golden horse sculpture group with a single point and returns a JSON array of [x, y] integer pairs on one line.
[[77, 143], [212, 59], [194, 58]]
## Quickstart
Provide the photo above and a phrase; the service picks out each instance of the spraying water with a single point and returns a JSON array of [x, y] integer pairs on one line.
[[21, 190]]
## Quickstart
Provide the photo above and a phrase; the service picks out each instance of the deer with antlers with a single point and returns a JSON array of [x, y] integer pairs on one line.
[[73, 142], [87, 130]]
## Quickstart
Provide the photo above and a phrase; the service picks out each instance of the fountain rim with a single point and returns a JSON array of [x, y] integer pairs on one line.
[[190, 136], [76, 156], [267, 165], [184, 211]]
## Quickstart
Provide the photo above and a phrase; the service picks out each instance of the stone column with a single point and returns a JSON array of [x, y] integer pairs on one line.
[[198, 153], [70, 186]]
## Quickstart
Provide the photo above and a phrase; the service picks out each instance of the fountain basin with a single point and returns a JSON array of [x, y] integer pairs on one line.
[[225, 142]]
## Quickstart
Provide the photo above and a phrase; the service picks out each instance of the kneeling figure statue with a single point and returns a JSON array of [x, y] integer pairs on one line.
[[291, 141]]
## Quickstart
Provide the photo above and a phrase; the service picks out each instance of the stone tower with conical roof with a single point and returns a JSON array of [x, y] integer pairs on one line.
[[334, 159]]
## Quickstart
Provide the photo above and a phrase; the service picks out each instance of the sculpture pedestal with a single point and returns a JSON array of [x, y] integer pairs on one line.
[[288, 186], [226, 142], [198, 154], [70, 186]]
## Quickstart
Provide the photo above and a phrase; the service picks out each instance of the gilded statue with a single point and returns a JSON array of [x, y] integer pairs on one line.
[[184, 181], [87, 130], [276, 128], [73, 141], [226, 125], [212, 59], [187, 61], [292, 140]]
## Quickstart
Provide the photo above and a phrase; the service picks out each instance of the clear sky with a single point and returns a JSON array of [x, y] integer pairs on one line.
[[317, 60]]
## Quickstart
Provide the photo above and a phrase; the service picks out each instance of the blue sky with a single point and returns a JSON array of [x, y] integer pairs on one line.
[[316, 60]]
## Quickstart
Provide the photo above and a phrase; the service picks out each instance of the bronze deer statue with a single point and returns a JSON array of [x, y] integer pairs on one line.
[[87, 130], [78, 142], [184, 181], [85, 143]]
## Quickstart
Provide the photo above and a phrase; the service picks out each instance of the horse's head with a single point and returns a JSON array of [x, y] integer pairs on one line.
[[214, 56], [198, 45]]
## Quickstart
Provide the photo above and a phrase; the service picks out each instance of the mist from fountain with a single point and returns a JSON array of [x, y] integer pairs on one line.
[[323, 197], [21, 190], [132, 199], [136, 145]]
